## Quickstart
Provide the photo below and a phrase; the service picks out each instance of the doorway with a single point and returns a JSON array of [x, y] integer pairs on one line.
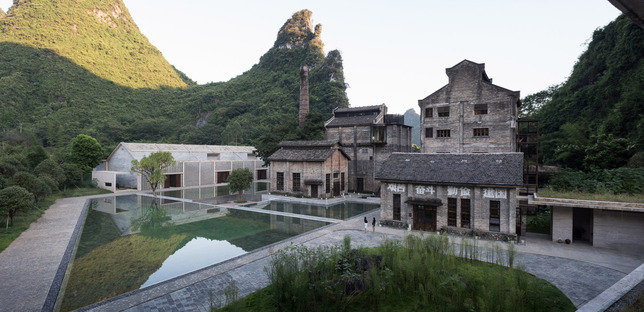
[[360, 185], [424, 218], [582, 224], [314, 191], [336, 188], [172, 180]]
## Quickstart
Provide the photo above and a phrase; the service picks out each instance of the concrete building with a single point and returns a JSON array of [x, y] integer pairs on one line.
[[612, 225], [196, 165], [469, 114], [472, 193], [368, 135], [311, 168]]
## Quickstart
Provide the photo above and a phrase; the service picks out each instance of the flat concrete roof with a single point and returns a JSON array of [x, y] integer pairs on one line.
[[582, 203]]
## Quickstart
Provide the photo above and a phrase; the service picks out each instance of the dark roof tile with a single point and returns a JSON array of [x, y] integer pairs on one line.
[[504, 169]]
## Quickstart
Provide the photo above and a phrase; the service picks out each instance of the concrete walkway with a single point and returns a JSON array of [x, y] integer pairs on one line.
[[29, 266]]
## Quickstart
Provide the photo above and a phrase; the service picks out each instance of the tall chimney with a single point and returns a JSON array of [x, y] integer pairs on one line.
[[304, 94]]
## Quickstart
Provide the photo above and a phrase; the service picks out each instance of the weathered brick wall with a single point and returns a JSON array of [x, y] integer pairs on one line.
[[466, 89], [317, 171], [479, 204]]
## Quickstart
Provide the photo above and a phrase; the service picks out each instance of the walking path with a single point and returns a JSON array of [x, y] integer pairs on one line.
[[29, 267]]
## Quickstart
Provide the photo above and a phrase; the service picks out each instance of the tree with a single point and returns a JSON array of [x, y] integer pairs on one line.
[[13, 199], [73, 174], [86, 153], [153, 168], [49, 167], [37, 187], [239, 180]]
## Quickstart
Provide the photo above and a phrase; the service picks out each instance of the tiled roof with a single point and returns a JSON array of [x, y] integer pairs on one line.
[[355, 116], [309, 151], [302, 154], [503, 169], [319, 143], [375, 108]]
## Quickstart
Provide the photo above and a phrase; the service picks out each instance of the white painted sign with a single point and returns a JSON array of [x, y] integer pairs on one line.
[[452, 191], [465, 191], [421, 190], [495, 193], [400, 188]]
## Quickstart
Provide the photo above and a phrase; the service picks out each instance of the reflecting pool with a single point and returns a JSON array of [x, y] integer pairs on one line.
[[130, 242], [340, 211]]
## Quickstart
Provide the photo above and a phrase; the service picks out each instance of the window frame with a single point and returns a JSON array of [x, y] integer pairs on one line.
[[452, 208], [481, 132], [443, 133], [279, 181], [429, 132], [396, 207], [495, 216], [297, 182], [429, 112], [466, 213], [442, 111], [480, 109]]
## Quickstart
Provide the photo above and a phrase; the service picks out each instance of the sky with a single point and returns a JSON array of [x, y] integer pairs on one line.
[[394, 52]]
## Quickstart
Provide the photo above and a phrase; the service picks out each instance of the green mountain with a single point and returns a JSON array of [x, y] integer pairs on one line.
[[97, 35], [596, 118], [412, 119], [70, 67]]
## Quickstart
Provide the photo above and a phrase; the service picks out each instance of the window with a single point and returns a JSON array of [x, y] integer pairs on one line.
[[342, 181], [261, 174], [451, 212], [222, 176], [481, 132], [296, 182], [465, 213], [443, 111], [335, 175], [378, 134], [495, 216], [480, 109], [442, 133], [429, 132], [328, 183], [397, 207], [429, 112], [280, 181]]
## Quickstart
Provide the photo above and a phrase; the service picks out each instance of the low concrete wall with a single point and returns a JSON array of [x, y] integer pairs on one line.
[[611, 295], [105, 179]]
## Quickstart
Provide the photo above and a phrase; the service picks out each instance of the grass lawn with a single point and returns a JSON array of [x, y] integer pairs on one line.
[[23, 220], [636, 198], [418, 274]]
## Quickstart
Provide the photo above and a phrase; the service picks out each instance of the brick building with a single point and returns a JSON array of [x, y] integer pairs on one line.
[[368, 135], [464, 193], [312, 168], [469, 114]]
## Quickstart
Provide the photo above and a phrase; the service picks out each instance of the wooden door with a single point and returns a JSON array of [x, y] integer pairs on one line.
[[424, 218], [336, 188], [314, 191]]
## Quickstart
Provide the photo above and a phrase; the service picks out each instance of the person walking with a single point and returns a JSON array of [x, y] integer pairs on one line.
[[366, 224], [373, 225]]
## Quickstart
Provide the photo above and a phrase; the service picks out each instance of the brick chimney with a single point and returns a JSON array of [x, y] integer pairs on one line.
[[304, 94]]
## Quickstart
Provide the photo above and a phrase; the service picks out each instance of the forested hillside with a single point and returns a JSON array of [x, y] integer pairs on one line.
[[595, 119], [70, 67]]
